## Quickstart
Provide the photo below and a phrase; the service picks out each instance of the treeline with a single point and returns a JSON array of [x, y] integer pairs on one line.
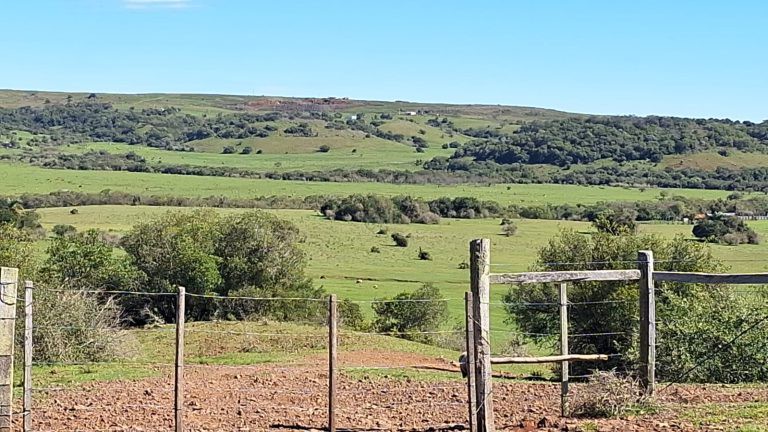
[[383, 209], [585, 140], [166, 128], [407, 209]]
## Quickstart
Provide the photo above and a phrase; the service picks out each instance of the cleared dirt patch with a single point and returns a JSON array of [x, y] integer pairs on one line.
[[292, 396]]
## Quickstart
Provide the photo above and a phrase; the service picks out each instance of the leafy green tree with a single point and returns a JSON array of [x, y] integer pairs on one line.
[[409, 315], [86, 261], [616, 222], [610, 307], [62, 230], [725, 229]]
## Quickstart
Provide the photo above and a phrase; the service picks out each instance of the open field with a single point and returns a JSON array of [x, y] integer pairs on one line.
[[340, 257], [19, 179]]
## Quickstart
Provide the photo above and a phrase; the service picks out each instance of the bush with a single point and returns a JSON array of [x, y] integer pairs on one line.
[[509, 229], [64, 230], [729, 230], [250, 254], [534, 307], [228, 150], [246, 150], [424, 255], [616, 222], [74, 326], [608, 394], [463, 265], [74, 211], [375, 249], [409, 315], [382, 231], [351, 315], [325, 148], [400, 240]]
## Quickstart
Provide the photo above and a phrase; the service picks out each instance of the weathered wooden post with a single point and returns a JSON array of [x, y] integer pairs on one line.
[[332, 353], [469, 361], [8, 284], [178, 391], [480, 269], [564, 372], [647, 372], [28, 286]]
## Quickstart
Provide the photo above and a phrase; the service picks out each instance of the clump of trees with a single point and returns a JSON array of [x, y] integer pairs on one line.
[[411, 315], [251, 254], [406, 209], [725, 229], [693, 333]]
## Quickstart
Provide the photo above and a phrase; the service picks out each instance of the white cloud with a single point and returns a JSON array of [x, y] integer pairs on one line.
[[156, 4]]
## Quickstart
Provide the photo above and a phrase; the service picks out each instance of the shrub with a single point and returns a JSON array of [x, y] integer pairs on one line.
[[228, 150], [351, 315], [382, 231], [616, 222], [74, 326], [246, 150], [62, 230], [534, 307], [608, 394], [250, 254], [325, 148], [509, 229], [463, 265], [375, 249], [409, 315], [725, 229], [74, 211], [400, 240], [259, 151]]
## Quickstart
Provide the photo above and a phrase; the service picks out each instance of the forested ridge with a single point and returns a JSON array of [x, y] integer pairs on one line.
[[586, 150]]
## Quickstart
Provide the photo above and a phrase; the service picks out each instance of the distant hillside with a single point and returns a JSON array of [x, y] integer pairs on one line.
[[338, 139]]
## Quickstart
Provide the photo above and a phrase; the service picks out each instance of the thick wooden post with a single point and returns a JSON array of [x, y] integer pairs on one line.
[[480, 269], [9, 278], [564, 372], [469, 361], [28, 286], [647, 364], [332, 353], [178, 390]]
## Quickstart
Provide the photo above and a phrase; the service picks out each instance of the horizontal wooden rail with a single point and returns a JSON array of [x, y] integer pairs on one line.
[[711, 278], [549, 359], [565, 276]]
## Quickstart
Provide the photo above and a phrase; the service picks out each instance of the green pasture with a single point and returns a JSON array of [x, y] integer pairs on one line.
[[18, 179]]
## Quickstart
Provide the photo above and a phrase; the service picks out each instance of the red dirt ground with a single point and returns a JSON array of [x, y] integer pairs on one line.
[[294, 397]]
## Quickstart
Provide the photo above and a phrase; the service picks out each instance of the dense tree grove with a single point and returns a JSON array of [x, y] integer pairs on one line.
[[585, 140], [725, 229]]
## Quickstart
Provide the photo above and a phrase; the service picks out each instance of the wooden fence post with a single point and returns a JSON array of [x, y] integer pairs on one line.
[[178, 390], [332, 352], [480, 269], [647, 372], [28, 286], [564, 372], [469, 361], [8, 284]]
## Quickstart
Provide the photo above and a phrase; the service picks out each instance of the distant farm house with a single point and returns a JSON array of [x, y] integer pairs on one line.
[[410, 113], [353, 117]]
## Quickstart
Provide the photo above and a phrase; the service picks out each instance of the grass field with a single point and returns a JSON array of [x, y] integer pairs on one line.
[[711, 161], [19, 179], [340, 257]]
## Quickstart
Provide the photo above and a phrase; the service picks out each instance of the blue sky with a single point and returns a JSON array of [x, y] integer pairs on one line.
[[690, 58]]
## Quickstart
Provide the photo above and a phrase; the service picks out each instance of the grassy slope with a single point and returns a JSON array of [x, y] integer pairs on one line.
[[19, 179], [339, 252]]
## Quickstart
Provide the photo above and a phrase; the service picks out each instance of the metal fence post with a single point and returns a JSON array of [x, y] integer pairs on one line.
[[480, 269], [647, 372], [178, 391]]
